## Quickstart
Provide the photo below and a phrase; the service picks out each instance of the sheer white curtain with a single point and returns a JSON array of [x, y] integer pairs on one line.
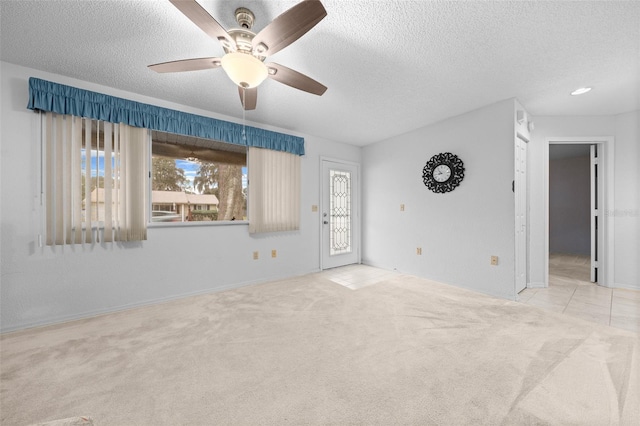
[[95, 175], [274, 191]]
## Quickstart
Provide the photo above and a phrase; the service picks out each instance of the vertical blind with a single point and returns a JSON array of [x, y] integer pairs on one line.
[[274, 191], [94, 180]]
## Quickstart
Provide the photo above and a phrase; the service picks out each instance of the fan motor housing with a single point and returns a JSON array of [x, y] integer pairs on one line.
[[243, 36], [245, 18]]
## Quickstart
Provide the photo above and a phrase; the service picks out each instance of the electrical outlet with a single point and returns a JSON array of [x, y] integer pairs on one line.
[[274, 253], [401, 207], [419, 251], [494, 260], [256, 255]]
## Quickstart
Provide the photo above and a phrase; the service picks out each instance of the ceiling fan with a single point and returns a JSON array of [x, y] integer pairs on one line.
[[246, 51]]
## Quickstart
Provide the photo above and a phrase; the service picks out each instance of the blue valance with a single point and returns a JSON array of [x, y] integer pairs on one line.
[[48, 96]]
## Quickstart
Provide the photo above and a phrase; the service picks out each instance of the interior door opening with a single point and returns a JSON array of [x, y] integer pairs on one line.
[[575, 218]]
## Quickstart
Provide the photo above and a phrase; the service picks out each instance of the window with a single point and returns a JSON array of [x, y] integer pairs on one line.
[[197, 180], [95, 174]]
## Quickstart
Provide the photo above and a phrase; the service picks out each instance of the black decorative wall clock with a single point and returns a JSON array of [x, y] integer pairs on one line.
[[443, 172]]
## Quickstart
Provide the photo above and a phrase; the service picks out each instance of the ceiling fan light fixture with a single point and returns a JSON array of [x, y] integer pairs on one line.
[[244, 69], [581, 91]]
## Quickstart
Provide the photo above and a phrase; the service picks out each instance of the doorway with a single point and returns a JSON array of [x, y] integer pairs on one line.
[[573, 214], [579, 233], [340, 214]]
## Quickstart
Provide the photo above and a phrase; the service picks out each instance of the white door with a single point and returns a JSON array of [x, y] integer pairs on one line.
[[594, 213], [339, 215], [520, 190]]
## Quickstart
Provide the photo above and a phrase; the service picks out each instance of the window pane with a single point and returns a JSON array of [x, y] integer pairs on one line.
[[340, 212], [195, 179]]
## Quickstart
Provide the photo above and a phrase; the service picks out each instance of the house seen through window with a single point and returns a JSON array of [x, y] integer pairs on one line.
[[197, 180]]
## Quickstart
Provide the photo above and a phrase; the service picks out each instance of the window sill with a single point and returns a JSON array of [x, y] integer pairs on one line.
[[199, 223]]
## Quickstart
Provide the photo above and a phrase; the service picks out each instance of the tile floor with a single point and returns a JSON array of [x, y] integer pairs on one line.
[[357, 276], [571, 293]]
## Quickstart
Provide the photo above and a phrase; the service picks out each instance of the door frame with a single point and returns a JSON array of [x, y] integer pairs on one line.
[[520, 197], [606, 152], [595, 215], [357, 202]]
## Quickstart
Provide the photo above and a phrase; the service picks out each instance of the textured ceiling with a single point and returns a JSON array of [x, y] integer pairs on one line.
[[390, 66]]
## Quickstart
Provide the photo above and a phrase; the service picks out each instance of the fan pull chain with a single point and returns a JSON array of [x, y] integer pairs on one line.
[[244, 111]]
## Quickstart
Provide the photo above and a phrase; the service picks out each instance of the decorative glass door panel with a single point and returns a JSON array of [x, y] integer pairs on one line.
[[339, 212]]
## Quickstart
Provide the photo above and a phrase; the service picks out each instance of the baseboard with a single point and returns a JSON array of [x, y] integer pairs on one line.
[[99, 312], [626, 286], [616, 285], [378, 265]]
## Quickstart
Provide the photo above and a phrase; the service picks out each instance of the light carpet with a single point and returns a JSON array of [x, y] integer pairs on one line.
[[307, 351]]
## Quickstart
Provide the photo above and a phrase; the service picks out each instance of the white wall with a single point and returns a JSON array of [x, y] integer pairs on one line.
[[52, 284], [457, 231], [627, 193], [626, 212]]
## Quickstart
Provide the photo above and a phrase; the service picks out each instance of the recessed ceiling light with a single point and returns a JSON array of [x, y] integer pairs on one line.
[[581, 91]]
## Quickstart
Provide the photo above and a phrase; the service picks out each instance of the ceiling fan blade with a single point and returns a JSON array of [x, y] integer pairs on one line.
[[248, 97], [186, 65], [288, 27], [199, 16], [292, 78]]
